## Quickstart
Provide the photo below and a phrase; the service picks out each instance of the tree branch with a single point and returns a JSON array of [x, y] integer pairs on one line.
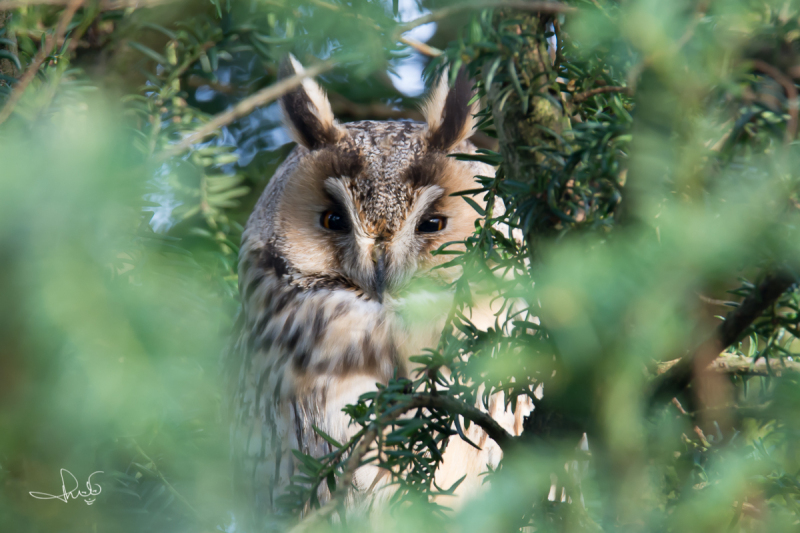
[[449, 11], [730, 363], [106, 5], [337, 498], [791, 95], [45, 50], [416, 401], [496, 432], [736, 322], [588, 94], [154, 467], [245, 107], [527, 115], [736, 364], [419, 46]]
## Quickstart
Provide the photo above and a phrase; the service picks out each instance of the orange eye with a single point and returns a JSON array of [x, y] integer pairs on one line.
[[333, 221], [432, 225]]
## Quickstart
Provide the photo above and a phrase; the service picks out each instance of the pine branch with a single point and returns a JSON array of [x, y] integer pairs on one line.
[[449, 11], [337, 498], [416, 401], [163, 479], [420, 47], [759, 300], [493, 429], [41, 55], [745, 366], [731, 363], [106, 5], [600, 90], [791, 95], [245, 107]]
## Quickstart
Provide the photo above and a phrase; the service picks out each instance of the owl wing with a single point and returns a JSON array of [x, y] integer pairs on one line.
[[269, 418], [302, 354]]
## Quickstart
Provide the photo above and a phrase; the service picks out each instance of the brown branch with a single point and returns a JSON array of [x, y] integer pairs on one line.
[[496, 432], [416, 401], [420, 47], [744, 366], [38, 59], [791, 95], [245, 107], [730, 363], [715, 301], [600, 90], [449, 11], [736, 322]]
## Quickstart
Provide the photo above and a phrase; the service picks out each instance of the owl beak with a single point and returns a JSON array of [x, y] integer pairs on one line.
[[379, 258]]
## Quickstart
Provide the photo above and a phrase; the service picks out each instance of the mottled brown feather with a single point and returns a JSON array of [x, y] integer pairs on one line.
[[315, 334]]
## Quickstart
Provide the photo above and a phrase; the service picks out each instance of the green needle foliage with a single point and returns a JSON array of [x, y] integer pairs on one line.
[[640, 245]]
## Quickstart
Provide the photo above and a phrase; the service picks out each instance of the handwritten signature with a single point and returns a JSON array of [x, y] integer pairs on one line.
[[74, 493]]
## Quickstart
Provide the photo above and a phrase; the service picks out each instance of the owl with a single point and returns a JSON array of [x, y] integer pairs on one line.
[[345, 225]]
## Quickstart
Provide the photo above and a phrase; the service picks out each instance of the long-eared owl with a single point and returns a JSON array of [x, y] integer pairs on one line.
[[347, 222]]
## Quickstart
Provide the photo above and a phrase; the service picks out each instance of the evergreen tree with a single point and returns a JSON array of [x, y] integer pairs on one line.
[[646, 158]]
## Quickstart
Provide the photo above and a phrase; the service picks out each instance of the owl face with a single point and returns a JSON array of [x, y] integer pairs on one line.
[[364, 204]]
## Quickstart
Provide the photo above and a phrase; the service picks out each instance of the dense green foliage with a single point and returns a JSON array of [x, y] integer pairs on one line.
[[647, 164]]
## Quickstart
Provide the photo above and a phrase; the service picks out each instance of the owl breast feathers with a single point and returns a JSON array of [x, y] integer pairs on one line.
[[347, 222]]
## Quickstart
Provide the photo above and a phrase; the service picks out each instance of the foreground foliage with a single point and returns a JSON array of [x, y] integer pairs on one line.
[[647, 165]]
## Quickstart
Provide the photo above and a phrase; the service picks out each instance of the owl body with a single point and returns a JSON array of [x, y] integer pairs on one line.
[[347, 222]]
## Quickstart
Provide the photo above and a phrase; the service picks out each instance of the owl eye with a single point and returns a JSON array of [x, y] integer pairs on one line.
[[333, 221], [432, 225]]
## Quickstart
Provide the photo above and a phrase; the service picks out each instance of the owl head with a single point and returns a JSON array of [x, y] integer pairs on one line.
[[363, 204]]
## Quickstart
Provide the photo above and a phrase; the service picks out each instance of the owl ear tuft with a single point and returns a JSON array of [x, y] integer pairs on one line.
[[449, 113], [307, 112]]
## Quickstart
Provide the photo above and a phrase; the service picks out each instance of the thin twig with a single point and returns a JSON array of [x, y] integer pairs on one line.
[[677, 404], [416, 401], [602, 9], [600, 90], [420, 47], [736, 322], [791, 95], [449, 11], [245, 107], [106, 5], [189, 61], [163, 479], [493, 429], [413, 43], [715, 301], [337, 499], [38, 59]]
